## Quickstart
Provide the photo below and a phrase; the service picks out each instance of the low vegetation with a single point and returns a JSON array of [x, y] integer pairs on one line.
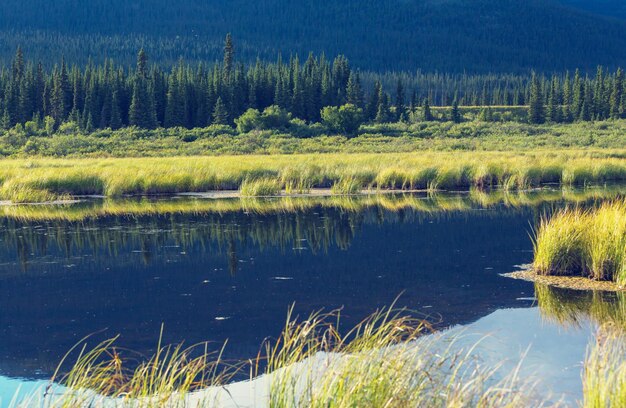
[[299, 137], [384, 361], [37, 180], [604, 378], [590, 243]]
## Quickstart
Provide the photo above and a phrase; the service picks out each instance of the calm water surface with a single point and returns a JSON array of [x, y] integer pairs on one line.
[[232, 274]]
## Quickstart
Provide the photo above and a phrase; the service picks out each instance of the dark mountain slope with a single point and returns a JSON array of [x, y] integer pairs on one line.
[[445, 35], [611, 8]]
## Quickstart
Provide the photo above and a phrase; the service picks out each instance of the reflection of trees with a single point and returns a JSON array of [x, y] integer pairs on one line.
[[572, 307], [228, 227]]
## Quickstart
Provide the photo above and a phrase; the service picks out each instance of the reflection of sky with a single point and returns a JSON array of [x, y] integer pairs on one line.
[[551, 355], [13, 391]]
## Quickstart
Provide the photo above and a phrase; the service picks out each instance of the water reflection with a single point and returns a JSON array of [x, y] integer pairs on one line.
[[573, 308], [229, 269]]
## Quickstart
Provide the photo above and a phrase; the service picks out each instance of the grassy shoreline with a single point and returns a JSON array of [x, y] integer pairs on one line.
[[39, 180], [589, 243]]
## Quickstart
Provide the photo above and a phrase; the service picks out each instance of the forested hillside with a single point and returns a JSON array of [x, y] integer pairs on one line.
[[611, 8], [431, 35]]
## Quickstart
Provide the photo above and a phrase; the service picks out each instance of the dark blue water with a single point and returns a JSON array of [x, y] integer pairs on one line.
[[233, 276]]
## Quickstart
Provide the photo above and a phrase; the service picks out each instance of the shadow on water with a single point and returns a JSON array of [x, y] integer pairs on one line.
[[229, 269]]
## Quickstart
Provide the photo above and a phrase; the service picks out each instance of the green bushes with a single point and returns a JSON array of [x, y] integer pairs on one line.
[[584, 243]]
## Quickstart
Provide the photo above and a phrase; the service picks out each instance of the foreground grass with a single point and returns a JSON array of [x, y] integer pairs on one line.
[[588, 243], [382, 362], [39, 180], [386, 361]]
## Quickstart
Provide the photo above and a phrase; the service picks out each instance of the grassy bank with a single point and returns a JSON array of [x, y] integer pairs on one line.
[[377, 138], [36, 180], [589, 243], [384, 361]]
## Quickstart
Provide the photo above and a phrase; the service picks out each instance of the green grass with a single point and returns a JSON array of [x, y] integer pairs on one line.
[[382, 362], [260, 188], [385, 361], [588, 243], [34, 180], [604, 378]]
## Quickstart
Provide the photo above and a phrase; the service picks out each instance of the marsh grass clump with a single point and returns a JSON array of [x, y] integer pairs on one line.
[[260, 188], [100, 376], [589, 243], [347, 186], [604, 377]]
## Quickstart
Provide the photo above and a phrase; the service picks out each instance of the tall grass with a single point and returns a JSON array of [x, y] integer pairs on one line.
[[260, 188], [604, 378], [41, 179], [382, 362], [588, 243]]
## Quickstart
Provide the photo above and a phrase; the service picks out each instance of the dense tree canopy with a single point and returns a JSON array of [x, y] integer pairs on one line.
[[270, 94]]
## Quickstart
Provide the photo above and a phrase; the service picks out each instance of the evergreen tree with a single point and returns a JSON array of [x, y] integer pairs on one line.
[[400, 105], [354, 92], [142, 111], [456, 114], [536, 111], [383, 115], [616, 95], [229, 57], [428, 115], [220, 114]]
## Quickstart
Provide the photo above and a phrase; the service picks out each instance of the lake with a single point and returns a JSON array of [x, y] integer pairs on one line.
[[217, 270]]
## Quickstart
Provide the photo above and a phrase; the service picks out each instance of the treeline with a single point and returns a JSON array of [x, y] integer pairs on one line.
[[111, 96]]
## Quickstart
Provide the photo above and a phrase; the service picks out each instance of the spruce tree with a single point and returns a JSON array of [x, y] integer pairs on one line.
[[428, 115], [142, 112], [400, 105], [455, 114], [229, 57], [220, 114], [536, 110], [354, 92], [616, 94]]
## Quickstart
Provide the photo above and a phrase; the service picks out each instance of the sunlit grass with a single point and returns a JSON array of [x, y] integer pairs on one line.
[[604, 378], [589, 243], [385, 361], [42, 179]]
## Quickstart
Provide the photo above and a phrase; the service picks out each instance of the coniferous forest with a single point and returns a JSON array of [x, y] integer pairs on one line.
[[198, 95], [477, 36]]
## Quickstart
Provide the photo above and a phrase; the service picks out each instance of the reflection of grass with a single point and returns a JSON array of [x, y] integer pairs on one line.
[[571, 307], [382, 362], [432, 203], [441, 170], [584, 243]]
